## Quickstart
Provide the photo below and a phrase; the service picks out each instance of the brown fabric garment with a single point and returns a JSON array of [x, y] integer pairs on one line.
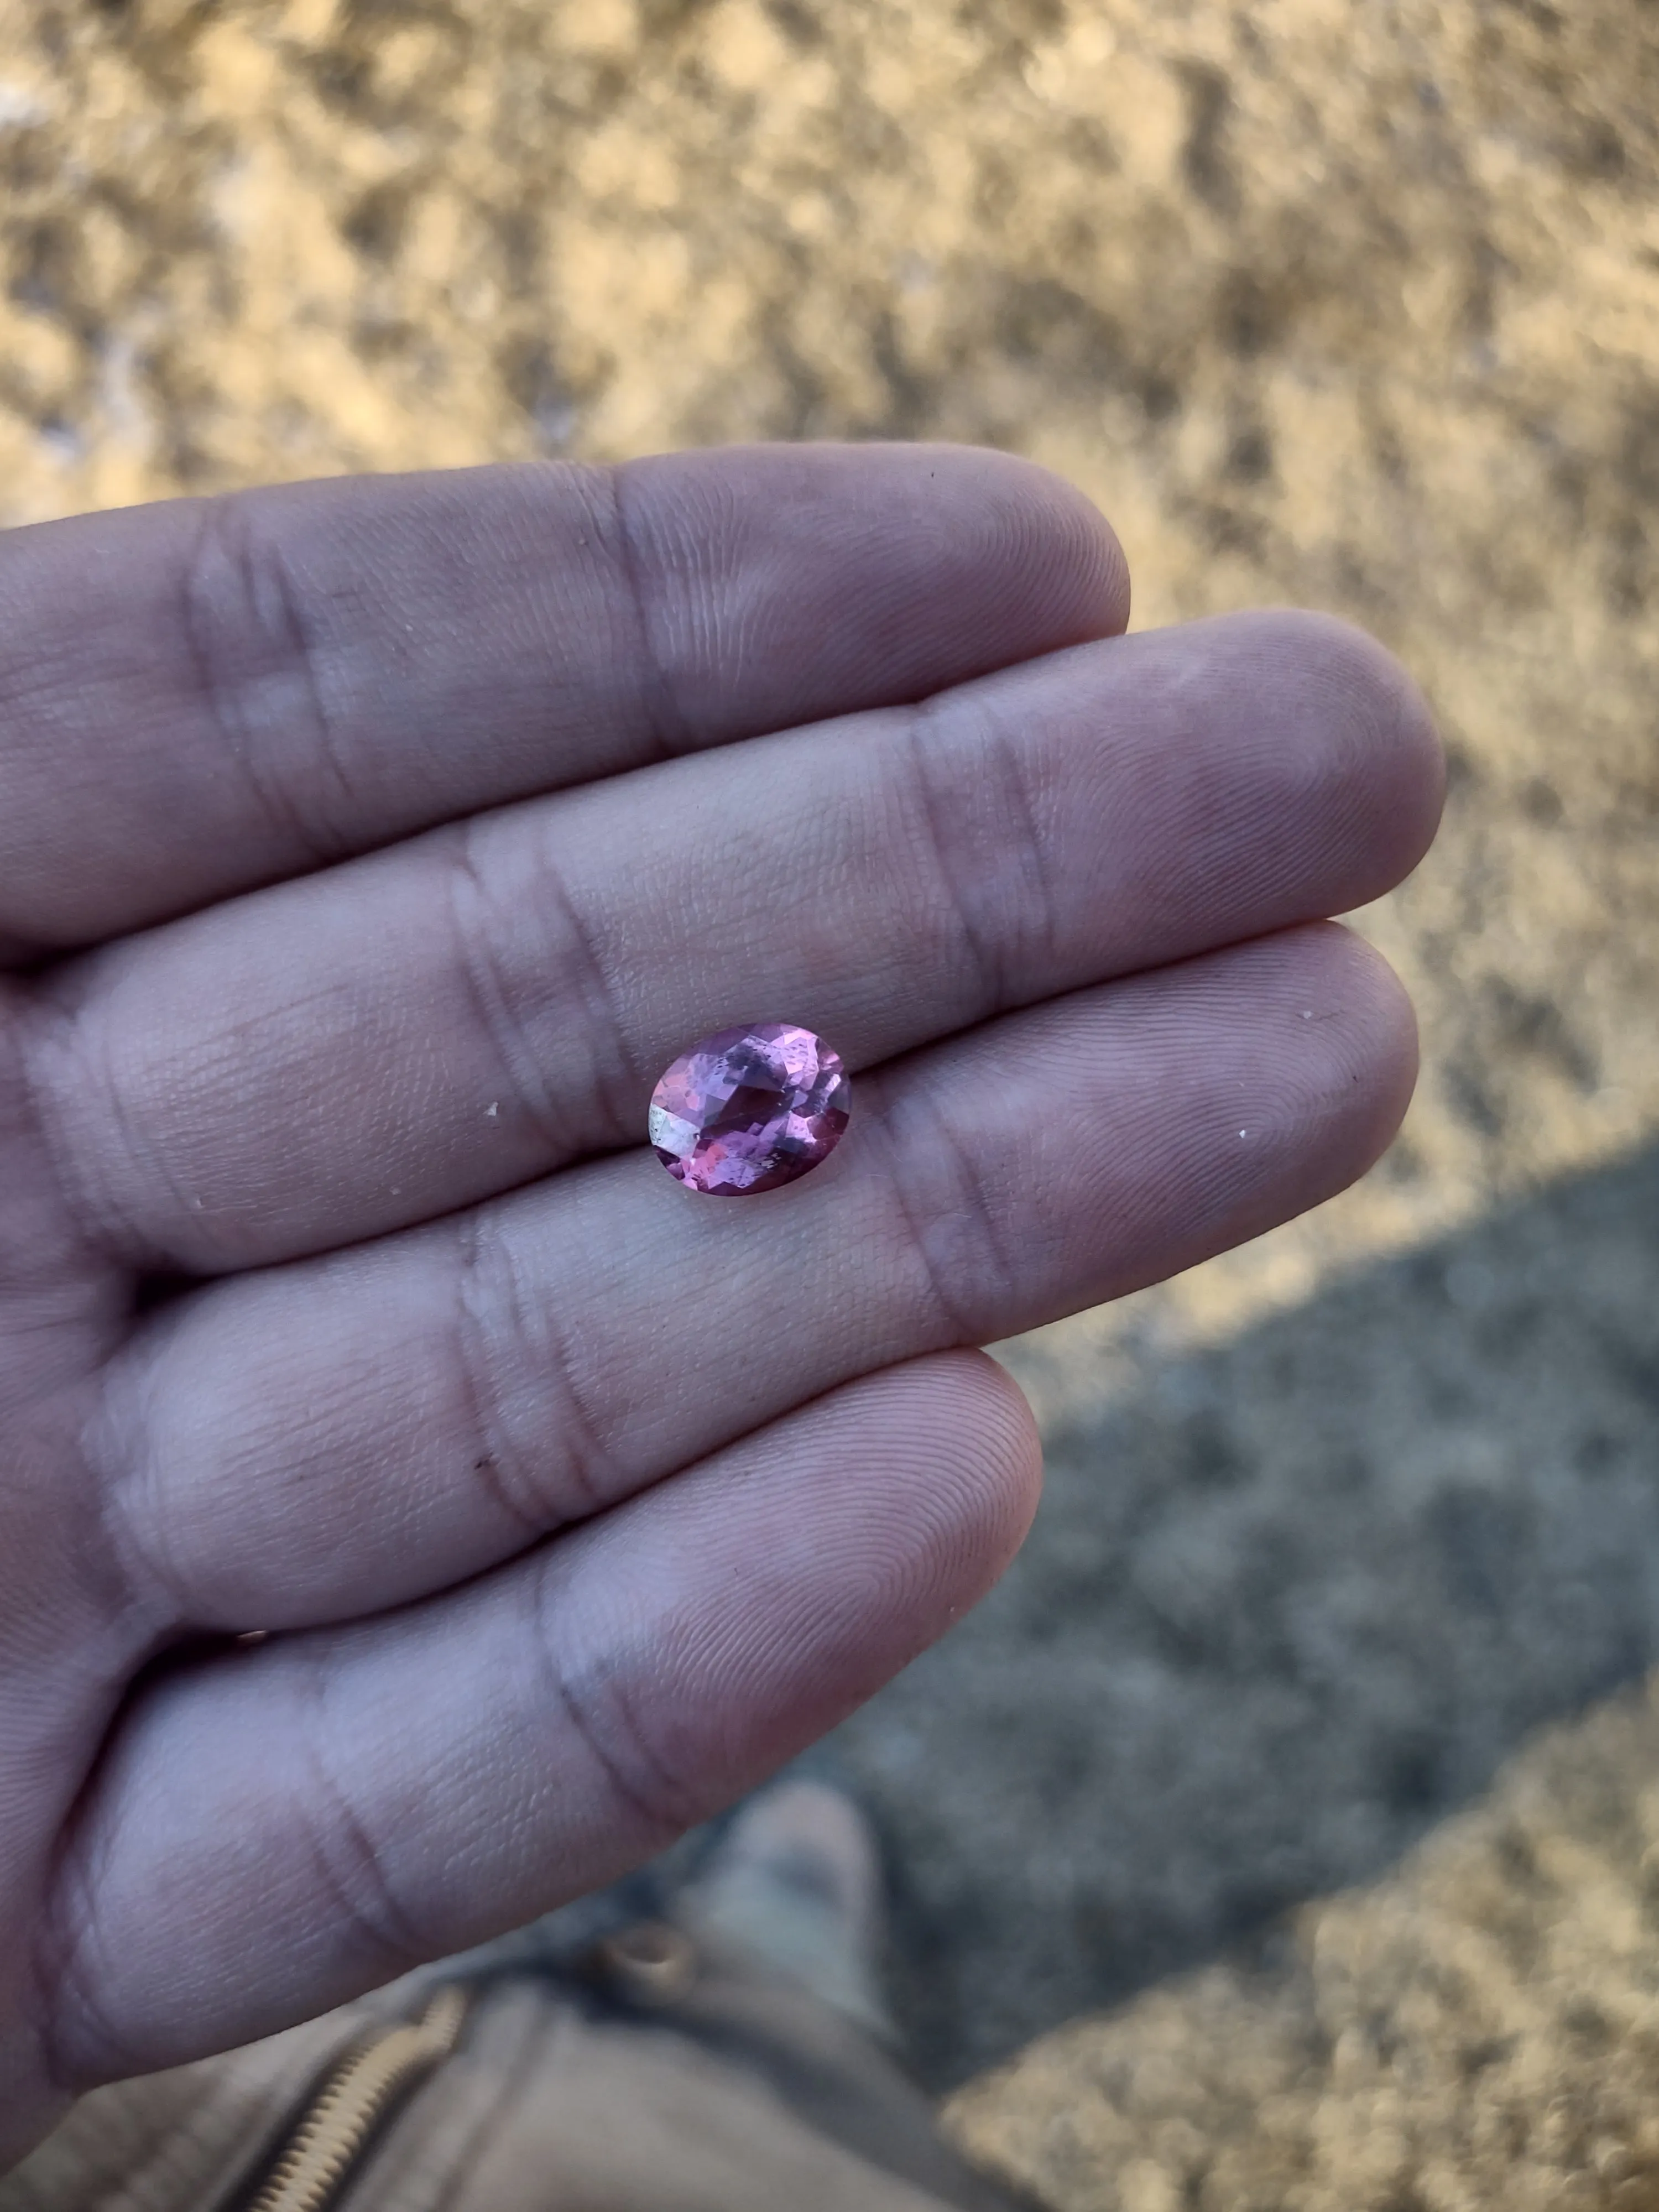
[[736, 2094], [181, 2138]]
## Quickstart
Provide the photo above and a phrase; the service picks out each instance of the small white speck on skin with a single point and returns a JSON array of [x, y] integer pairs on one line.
[[492, 1109], [398, 1189], [1244, 1133], [1307, 1013]]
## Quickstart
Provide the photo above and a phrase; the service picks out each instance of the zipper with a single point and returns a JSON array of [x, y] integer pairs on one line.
[[314, 2162]]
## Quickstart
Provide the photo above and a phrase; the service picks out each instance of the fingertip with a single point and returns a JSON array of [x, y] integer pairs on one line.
[[938, 1469], [1060, 539], [999, 1467], [840, 577], [1364, 1065], [942, 1471], [1382, 734], [1417, 754]]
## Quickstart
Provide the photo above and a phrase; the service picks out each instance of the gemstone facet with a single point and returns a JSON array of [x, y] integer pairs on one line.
[[750, 1109]]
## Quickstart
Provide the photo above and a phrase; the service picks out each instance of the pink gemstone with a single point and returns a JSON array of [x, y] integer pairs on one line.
[[749, 1108]]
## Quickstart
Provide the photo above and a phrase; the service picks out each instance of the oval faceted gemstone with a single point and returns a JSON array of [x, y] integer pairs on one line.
[[749, 1108]]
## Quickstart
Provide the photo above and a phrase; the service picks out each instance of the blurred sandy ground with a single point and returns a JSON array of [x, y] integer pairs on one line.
[[1350, 305], [1347, 303]]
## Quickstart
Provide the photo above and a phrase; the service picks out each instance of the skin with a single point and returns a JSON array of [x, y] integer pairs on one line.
[[366, 850]]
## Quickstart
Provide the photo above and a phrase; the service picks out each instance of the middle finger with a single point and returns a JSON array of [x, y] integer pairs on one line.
[[408, 1033]]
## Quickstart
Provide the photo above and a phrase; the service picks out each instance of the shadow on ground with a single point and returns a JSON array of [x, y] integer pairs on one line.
[[1287, 1603]]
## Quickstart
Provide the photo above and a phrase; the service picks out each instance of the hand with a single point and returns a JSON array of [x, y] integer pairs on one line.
[[366, 850]]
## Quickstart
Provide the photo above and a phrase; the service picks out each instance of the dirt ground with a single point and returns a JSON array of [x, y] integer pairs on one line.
[[1292, 1597], [1353, 305], [1477, 2029]]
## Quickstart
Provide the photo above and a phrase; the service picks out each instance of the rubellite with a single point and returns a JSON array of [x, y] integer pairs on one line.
[[747, 1109]]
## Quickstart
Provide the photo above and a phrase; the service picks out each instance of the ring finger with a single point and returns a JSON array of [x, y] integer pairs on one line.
[[315, 1442]]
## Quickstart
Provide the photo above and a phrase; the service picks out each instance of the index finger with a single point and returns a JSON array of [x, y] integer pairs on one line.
[[207, 695]]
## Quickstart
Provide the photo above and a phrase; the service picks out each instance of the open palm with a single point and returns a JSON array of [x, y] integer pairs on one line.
[[366, 850]]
